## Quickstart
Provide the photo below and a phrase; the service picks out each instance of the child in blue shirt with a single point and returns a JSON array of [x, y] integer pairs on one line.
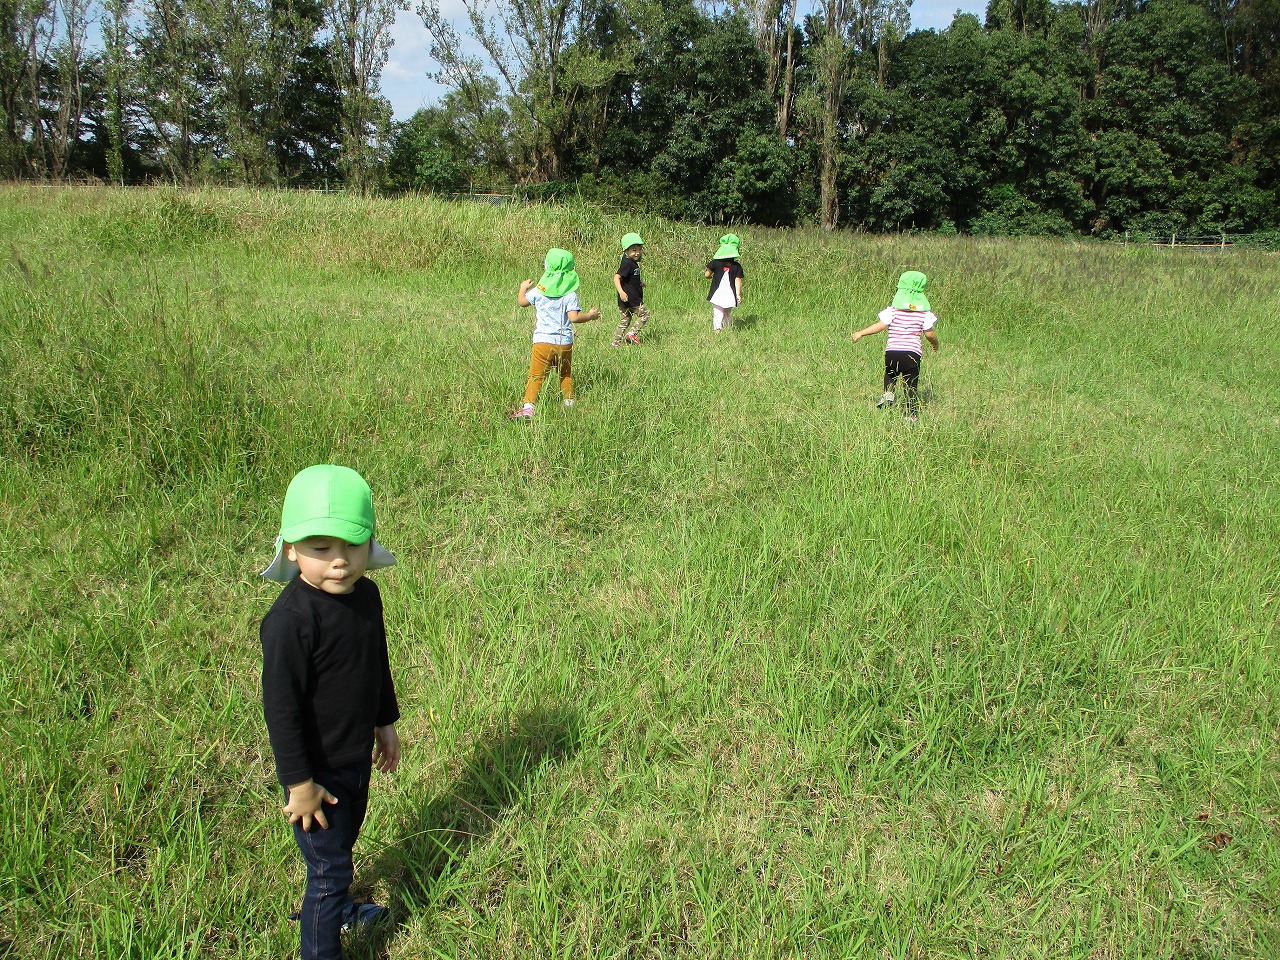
[[556, 308]]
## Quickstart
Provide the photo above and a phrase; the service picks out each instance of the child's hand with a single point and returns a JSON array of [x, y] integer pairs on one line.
[[306, 803], [857, 336], [592, 314], [386, 750]]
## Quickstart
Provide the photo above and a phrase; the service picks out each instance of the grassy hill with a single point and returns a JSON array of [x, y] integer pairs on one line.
[[721, 663]]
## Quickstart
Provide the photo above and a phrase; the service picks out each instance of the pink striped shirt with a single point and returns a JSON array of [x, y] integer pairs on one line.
[[906, 328]]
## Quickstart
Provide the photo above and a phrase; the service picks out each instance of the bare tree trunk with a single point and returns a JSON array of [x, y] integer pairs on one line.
[[784, 105]]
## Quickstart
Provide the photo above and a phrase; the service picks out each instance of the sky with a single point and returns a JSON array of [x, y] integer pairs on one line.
[[404, 78]]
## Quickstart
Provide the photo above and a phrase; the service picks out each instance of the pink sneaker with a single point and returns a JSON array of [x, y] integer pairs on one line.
[[633, 338], [524, 413]]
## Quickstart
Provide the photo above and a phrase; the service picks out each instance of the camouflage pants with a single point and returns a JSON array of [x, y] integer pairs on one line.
[[626, 316]]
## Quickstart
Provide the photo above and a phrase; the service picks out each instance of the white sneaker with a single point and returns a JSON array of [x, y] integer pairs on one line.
[[885, 399], [568, 401]]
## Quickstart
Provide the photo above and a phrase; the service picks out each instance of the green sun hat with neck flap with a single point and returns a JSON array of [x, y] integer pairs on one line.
[[632, 240], [728, 249], [326, 501], [560, 276], [910, 295]]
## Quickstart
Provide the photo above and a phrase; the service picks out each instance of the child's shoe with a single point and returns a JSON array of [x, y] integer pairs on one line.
[[633, 338], [362, 914], [524, 413], [886, 398], [568, 401]]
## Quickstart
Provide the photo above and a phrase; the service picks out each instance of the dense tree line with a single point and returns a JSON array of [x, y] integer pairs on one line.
[[230, 91], [1053, 118], [1085, 116]]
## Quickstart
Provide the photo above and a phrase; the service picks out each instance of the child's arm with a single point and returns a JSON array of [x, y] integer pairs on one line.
[[617, 282], [306, 803], [737, 287], [577, 316], [386, 751], [873, 329], [932, 338], [524, 288], [707, 273]]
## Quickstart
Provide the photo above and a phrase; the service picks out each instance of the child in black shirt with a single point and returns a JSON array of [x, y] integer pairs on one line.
[[327, 693], [726, 276], [630, 289]]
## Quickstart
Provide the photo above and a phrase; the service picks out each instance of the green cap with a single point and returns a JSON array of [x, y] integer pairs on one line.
[[910, 295], [560, 276], [632, 240], [326, 501], [728, 249]]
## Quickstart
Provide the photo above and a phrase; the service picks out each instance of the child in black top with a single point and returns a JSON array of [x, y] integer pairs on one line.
[[327, 693], [630, 289], [726, 276]]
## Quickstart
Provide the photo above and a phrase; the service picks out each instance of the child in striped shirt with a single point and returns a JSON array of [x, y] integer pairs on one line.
[[907, 319]]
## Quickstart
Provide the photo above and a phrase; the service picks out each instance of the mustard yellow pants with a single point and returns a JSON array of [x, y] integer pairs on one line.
[[545, 357]]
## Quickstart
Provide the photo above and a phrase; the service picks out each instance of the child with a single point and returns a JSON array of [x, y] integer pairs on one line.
[[725, 274], [327, 693], [630, 292], [555, 301], [907, 319]]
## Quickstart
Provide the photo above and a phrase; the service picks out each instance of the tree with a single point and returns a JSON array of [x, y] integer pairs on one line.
[[532, 45], [63, 121], [845, 33], [116, 71], [359, 42], [428, 154], [773, 24], [174, 72], [20, 57]]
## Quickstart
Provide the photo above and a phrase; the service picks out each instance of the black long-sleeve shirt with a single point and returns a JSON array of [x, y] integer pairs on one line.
[[326, 677]]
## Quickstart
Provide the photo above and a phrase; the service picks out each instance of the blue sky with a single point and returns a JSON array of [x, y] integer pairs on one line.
[[405, 83]]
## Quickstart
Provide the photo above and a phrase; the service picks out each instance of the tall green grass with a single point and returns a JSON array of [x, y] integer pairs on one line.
[[721, 663]]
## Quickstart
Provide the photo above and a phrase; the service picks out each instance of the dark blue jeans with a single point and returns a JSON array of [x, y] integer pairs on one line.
[[330, 870]]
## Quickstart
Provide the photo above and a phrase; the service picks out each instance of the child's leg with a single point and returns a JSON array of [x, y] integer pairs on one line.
[[564, 360], [642, 317], [330, 869], [890, 371], [720, 317], [910, 383], [624, 321], [539, 360]]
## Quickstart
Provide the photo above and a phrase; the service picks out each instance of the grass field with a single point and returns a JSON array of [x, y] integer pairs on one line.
[[721, 663]]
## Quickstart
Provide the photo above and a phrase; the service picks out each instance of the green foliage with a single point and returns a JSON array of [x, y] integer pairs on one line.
[[427, 154]]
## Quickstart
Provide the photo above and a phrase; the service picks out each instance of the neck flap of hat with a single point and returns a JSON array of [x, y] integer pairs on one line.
[[910, 295], [560, 277]]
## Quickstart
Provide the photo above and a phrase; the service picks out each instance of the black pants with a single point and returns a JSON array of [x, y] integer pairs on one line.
[[905, 365], [330, 870]]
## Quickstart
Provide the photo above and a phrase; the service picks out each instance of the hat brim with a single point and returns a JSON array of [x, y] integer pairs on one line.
[[727, 252], [282, 569]]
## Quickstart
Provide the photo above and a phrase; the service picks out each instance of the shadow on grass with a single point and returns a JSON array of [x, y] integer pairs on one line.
[[745, 322], [445, 828]]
